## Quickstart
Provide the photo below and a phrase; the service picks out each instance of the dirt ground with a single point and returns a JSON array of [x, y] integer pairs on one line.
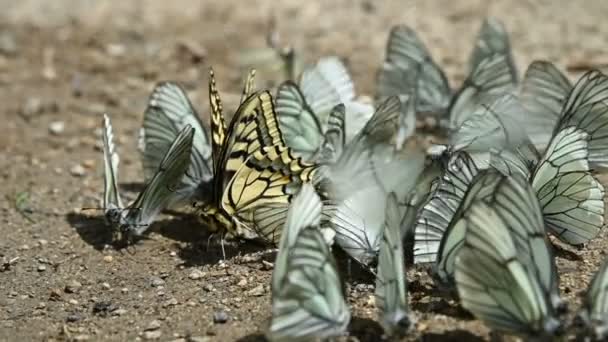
[[64, 63]]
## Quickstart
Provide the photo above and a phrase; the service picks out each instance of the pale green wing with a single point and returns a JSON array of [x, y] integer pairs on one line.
[[515, 202], [490, 126], [482, 188], [572, 200], [586, 108], [169, 111], [520, 160], [391, 289], [305, 211], [491, 78], [307, 301], [492, 39], [594, 311], [493, 282], [405, 53], [334, 137], [163, 189], [543, 92], [112, 203], [326, 85], [299, 124], [439, 210]]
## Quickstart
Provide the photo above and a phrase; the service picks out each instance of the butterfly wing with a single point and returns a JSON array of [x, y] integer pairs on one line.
[[163, 189], [308, 303], [543, 92], [249, 86], [405, 53], [334, 138], [218, 125], [595, 304], [491, 78], [301, 128], [169, 111], [492, 39], [586, 108], [493, 282], [572, 200], [112, 203], [439, 210], [391, 295]]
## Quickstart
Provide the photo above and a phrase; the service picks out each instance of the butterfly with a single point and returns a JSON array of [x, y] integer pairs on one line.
[[593, 313], [168, 111], [304, 109], [252, 164], [505, 273], [307, 297], [160, 191], [572, 200], [391, 290]]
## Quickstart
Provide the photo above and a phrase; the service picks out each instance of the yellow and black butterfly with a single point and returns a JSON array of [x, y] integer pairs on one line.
[[252, 165]]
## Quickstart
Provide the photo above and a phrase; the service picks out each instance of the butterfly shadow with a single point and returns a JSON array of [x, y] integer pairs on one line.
[[452, 335], [365, 329], [436, 300], [209, 250], [135, 188], [92, 230]]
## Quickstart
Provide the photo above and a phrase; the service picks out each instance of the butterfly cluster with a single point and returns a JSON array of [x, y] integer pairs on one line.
[[314, 168]]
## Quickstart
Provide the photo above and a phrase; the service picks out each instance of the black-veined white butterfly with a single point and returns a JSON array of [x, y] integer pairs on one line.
[[504, 271], [594, 312], [160, 191], [572, 200], [307, 298], [169, 111], [391, 284]]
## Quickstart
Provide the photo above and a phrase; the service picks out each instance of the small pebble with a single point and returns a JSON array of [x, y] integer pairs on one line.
[[108, 258], [41, 268], [152, 335], [119, 312], [43, 242], [72, 318], [156, 281], [154, 325], [124, 290], [105, 286], [256, 291], [41, 305], [208, 288], [199, 339], [220, 317], [196, 275], [73, 287], [73, 302], [267, 266], [242, 282], [77, 170], [57, 127], [170, 302]]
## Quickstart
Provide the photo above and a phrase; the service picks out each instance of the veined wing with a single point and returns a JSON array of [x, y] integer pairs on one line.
[[308, 303], [112, 203], [492, 39], [334, 138], [519, 160], [490, 79], [169, 111], [391, 290], [572, 200], [493, 282], [301, 128], [543, 92], [218, 125], [249, 86], [405, 51], [586, 107], [594, 312], [163, 189], [439, 210]]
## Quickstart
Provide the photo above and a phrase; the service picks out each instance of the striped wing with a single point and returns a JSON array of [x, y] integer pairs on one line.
[[299, 123], [308, 302], [586, 108], [391, 290], [490, 79], [249, 86], [112, 203], [218, 125], [572, 200], [543, 92], [405, 53], [493, 282], [163, 189], [334, 138], [439, 210], [169, 111]]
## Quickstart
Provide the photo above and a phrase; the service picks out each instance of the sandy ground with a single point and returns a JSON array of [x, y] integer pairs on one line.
[[67, 62]]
